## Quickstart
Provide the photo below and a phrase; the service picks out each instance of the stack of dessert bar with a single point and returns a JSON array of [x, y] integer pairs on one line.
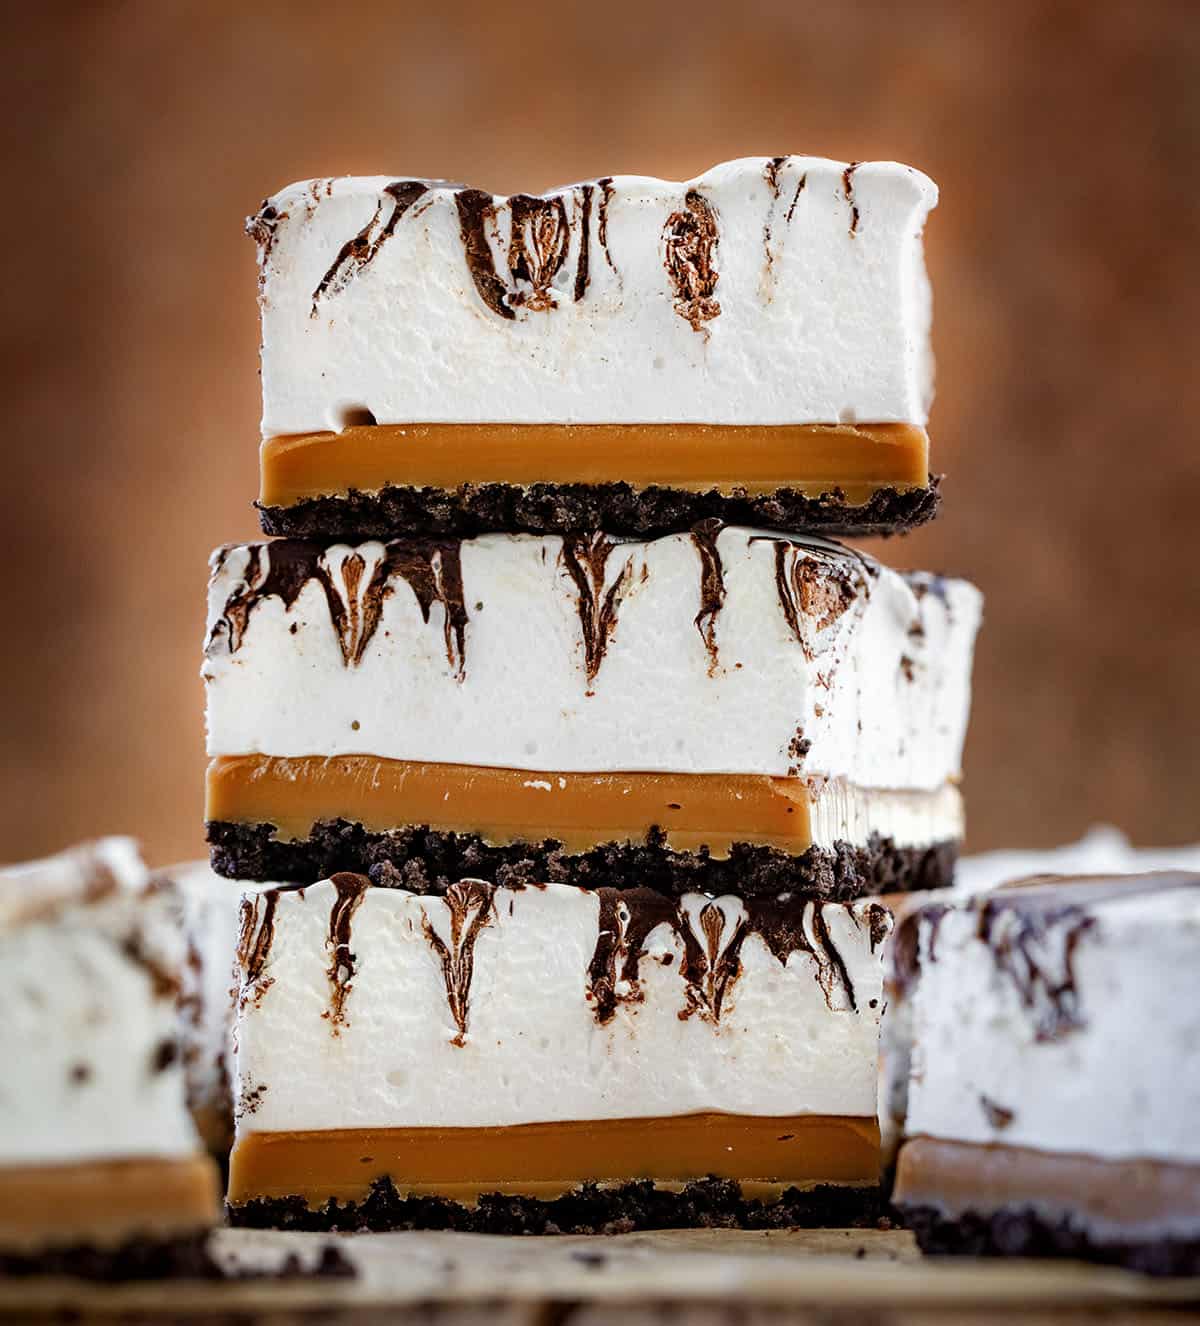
[[592, 758]]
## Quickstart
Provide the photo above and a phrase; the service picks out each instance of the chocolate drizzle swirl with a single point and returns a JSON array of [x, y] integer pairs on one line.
[[606, 194], [583, 264], [815, 589], [831, 967], [711, 933], [905, 949], [469, 904], [361, 250], [235, 616], [433, 571], [690, 244], [801, 183], [710, 969], [254, 945], [355, 582], [541, 239], [355, 594], [773, 173], [1035, 948], [626, 919], [712, 586], [350, 890], [585, 558], [848, 190], [476, 211], [539, 246]]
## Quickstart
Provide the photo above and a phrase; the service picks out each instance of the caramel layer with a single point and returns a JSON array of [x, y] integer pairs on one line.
[[811, 458], [965, 1176], [106, 1202], [546, 1160], [510, 805]]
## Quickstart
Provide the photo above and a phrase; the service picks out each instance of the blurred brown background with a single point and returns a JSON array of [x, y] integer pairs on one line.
[[1066, 140]]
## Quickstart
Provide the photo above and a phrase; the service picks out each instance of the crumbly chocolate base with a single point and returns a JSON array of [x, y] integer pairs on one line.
[[1014, 1231], [703, 1204], [571, 508], [185, 1258], [140, 1258], [425, 860]]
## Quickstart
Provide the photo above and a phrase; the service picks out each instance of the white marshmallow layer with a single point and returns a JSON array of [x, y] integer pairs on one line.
[[89, 1037], [534, 1049], [879, 686], [824, 304]]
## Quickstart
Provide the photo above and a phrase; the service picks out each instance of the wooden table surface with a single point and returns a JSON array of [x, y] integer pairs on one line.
[[703, 1276]]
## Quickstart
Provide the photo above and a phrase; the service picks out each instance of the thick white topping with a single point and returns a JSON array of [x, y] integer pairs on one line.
[[1073, 1028], [765, 291], [489, 1007], [594, 658], [88, 985]]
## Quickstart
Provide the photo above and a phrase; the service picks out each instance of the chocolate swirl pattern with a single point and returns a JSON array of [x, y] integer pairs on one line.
[[350, 890], [355, 582], [585, 559], [470, 909], [254, 946], [521, 272], [361, 250], [711, 933], [689, 254]]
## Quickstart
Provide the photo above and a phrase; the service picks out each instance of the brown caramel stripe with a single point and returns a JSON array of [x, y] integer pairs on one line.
[[505, 806], [547, 1160], [812, 459], [106, 1202], [969, 1176]]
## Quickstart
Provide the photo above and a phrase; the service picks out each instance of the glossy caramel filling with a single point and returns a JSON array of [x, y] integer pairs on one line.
[[505, 806], [811, 458], [546, 1160], [106, 1202]]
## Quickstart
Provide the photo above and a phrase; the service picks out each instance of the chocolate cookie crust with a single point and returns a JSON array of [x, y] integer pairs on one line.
[[425, 860], [142, 1258], [617, 508], [184, 1258], [703, 1204], [1021, 1232]]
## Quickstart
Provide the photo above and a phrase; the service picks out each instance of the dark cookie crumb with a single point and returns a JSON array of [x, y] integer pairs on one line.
[[1021, 1232], [187, 1257], [572, 508], [426, 860], [703, 1204]]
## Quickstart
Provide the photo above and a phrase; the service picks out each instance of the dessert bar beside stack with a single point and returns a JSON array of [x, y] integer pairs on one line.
[[101, 1170], [592, 758], [1042, 1063]]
